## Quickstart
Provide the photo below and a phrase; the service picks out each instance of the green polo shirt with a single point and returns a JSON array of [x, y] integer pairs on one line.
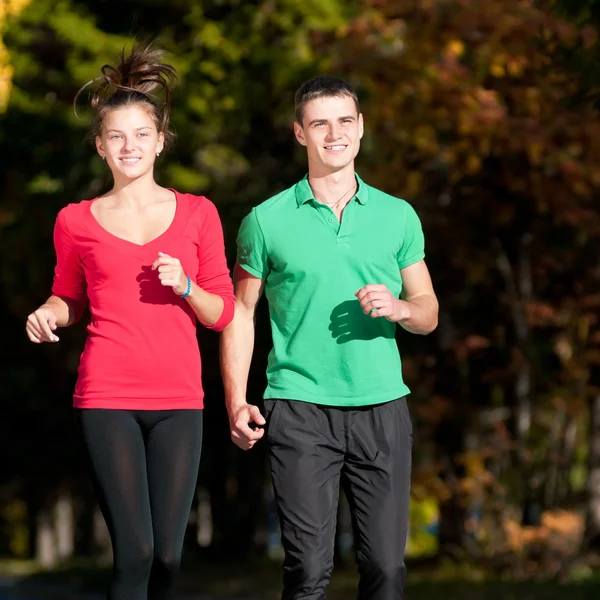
[[325, 349]]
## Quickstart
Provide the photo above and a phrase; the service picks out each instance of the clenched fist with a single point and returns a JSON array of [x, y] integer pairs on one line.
[[377, 301], [170, 273], [240, 417]]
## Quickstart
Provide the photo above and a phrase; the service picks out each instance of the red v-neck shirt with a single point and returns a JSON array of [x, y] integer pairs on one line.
[[141, 352]]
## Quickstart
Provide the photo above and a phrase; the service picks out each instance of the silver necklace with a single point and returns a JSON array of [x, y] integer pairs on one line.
[[334, 205]]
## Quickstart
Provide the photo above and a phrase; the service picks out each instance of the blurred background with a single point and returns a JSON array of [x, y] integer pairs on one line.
[[483, 115]]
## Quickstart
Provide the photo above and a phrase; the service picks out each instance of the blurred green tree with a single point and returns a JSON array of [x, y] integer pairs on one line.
[[239, 63]]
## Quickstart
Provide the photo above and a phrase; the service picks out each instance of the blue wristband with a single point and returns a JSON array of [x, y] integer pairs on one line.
[[189, 289]]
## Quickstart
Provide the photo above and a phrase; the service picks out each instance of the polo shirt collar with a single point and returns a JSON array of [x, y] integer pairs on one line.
[[304, 193]]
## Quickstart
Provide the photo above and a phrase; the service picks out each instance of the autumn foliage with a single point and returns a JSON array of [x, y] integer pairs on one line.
[[475, 115]]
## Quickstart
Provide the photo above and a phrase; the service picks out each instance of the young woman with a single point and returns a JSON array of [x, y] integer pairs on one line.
[[150, 261]]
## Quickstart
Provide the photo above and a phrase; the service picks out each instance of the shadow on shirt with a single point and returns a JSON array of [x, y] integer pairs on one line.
[[348, 322], [151, 291]]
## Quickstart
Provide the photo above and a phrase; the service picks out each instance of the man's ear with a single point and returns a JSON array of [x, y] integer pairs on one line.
[[299, 133]]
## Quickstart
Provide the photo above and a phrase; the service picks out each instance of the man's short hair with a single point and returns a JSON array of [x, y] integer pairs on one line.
[[322, 87]]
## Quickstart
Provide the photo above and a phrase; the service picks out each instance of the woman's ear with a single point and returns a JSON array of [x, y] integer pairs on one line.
[[100, 147], [160, 146]]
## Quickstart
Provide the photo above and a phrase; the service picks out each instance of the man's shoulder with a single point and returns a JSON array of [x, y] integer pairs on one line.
[[276, 211], [269, 213], [388, 200], [281, 201], [394, 207]]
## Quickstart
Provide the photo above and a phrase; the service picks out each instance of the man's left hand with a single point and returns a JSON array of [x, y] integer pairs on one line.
[[377, 301]]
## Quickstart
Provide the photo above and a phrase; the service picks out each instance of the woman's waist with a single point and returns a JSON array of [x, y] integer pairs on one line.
[[116, 343], [110, 365]]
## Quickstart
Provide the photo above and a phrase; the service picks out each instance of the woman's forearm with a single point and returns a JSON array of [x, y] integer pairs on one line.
[[65, 315], [207, 307]]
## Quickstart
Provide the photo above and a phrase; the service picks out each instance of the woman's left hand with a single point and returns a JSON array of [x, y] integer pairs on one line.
[[170, 273]]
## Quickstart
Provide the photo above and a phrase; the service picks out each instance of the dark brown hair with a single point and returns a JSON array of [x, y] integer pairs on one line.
[[322, 87], [130, 83]]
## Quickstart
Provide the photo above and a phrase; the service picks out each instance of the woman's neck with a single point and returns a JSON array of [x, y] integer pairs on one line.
[[135, 192]]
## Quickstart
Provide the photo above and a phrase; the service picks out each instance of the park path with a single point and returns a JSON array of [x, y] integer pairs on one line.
[[16, 589]]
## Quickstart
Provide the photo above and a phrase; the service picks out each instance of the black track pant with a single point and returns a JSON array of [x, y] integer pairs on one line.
[[144, 470], [312, 449]]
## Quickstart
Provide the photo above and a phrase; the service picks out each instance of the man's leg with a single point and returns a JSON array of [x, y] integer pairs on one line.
[[377, 482], [306, 453]]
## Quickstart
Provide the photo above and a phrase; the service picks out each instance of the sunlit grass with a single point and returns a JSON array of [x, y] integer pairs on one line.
[[12, 568]]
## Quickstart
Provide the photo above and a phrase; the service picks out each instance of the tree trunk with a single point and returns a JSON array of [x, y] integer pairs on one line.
[[593, 483], [449, 436], [519, 288], [45, 540], [204, 523], [64, 526]]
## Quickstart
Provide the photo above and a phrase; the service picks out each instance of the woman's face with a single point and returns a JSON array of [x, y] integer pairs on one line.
[[129, 142]]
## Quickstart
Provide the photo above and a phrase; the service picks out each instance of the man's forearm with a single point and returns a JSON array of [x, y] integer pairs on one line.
[[423, 314], [237, 343]]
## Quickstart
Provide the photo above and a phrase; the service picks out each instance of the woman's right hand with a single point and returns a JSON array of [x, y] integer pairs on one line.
[[40, 325]]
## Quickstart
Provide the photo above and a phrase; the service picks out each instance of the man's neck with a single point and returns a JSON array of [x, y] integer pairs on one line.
[[331, 186]]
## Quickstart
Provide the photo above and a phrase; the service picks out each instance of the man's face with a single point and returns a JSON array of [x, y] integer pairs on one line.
[[331, 131]]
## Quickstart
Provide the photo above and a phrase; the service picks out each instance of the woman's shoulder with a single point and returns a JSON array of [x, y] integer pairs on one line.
[[76, 208], [199, 206], [196, 202], [73, 213]]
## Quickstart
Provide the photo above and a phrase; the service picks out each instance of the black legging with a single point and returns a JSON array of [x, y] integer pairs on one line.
[[144, 469]]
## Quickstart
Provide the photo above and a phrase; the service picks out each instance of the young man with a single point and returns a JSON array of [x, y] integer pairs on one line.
[[333, 256]]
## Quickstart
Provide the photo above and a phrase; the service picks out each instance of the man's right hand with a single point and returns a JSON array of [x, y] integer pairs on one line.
[[242, 434]]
